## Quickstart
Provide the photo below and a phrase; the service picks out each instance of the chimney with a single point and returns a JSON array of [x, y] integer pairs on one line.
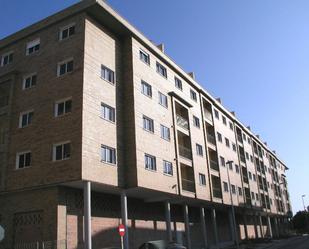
[[249, 128], [265, 143], [233, 113], [219, 100], [161, 47], [274, 151], [258, 136], [192, 75]]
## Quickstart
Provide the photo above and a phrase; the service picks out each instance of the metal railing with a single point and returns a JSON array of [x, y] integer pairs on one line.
[[182, 122], [185, 152], [214, 165], [52, 244], [188, 185], [208, 115], [211, 138], [217, 192], [239, 138]]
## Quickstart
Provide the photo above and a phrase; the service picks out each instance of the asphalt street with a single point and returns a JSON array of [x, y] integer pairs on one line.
[[299, 242]]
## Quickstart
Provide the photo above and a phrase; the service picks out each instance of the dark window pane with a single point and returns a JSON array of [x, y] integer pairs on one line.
[[72, 30], [21, 161], [64, 33], [60, 109], [66, 151], [59, 152], [70, 66], [63, 69], [28, 160], [24, 120], [68, 106]]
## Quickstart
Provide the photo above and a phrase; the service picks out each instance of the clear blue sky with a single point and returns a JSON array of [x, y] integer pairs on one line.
[[252, 54]]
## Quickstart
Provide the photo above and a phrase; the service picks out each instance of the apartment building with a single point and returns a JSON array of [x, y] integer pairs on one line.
[[98, 127]]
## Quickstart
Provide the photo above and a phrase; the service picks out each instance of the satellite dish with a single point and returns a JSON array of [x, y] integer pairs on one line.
[[2, 232]]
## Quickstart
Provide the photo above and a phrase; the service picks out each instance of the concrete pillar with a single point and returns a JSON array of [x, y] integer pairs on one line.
[[246, 226], [261, 226], [269, 227], [124, 218], [203, 224], [87, 215], [255, 226], [231, 222], [187, 225], [277, 227], [215, 229], [168, 221]]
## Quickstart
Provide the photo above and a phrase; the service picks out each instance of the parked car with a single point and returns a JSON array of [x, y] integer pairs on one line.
[[161, 244]]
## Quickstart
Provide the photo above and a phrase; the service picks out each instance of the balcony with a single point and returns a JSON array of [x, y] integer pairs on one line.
[[188, 185], [185, 152], [187, 178], [207, 110], [211, 139], [208, 115], [182, 122], [184, 145], [242, 158], [214, 165], [213, 159], [216, 187]]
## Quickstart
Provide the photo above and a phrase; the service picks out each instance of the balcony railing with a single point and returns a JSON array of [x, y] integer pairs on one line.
[[245, 179], [217, 192], [182, 122], [188, 185], [239, 138], [208, 115], [185, 152], [242, 158], [214, 165], [211, 138]]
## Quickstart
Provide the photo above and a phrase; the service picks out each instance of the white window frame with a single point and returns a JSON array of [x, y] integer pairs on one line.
[[103, 76], [111, 113], [111, 150], [64, 28], [202, 179], [178, 83], [151, 127], [18, 154], [146, 89], [62, 144], [193, 95], [66, 61], [56, 108], [163, 99], [141, 51], [154, 166], [31, 83], [166, 170], [162, 70], [4, 55], [21, 118], [32, 44], [199, 149], [165, 132], [196, 122]]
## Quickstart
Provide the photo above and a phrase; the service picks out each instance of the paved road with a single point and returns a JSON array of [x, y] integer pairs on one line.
[[301, 242]]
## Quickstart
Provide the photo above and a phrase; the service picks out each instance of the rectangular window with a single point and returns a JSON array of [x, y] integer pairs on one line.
[[165, 132], [29, 81], [108, 154], [199, 150], [231, 126], [107, 74], [163, 100], [252, 195], [237, 168], [150, 162], [25, 119], [148, 124], [233, 189], [225, 187], [222, 160], [216, 114], [224, 120], [33, 46], [63, 107], [65, 67], [61, 151], [67, 31], [178, 83], [239, 191], [244, 137], [6, 58], [227, 142], [231, 166], [257, 197], [167, 168], [161, 70], [23, 160], [247, 155], [108, 112], [219, 136], [234, 146], [196, 121], [146, 89], [193, 95], [250, 175], [144, 57], [254, 177], [202, 179]]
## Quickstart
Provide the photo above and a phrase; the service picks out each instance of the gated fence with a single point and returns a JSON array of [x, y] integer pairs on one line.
[[53, 244]]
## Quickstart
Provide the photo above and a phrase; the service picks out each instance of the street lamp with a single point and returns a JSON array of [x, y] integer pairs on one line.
[[229, 163], [303, 202]]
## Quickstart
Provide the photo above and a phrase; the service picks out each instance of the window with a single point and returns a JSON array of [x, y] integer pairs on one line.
[[163, 100], [234, 146], [193, 95], [257, 197], [230, 166], [240, 191], [150, 162], [62, 151], [67, 31], [63, 107], [25, 119], [165, 132], [247, 155], [219, 137], [107, 112], [249, 141], [146, 89], [254, 177], [271, 201], [161, 70], [233, 189], [224, 120], [107, 74], [108, 154], [33, 46], [250, 175], [227, 142], [225, 187], [178, 83], [251, 158], [167, 168], [196, 121], [6, 59], [231, 126], [23, 160], [216, 113], [222, 160], [237, 168], [252, 195], [199, 150], [29, 81], [65, 67], [202, 179], [245, 137], [144, 57], [148, 124]]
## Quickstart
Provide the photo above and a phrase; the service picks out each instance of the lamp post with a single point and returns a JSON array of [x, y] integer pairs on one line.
[[303, 196], [232, 205]]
